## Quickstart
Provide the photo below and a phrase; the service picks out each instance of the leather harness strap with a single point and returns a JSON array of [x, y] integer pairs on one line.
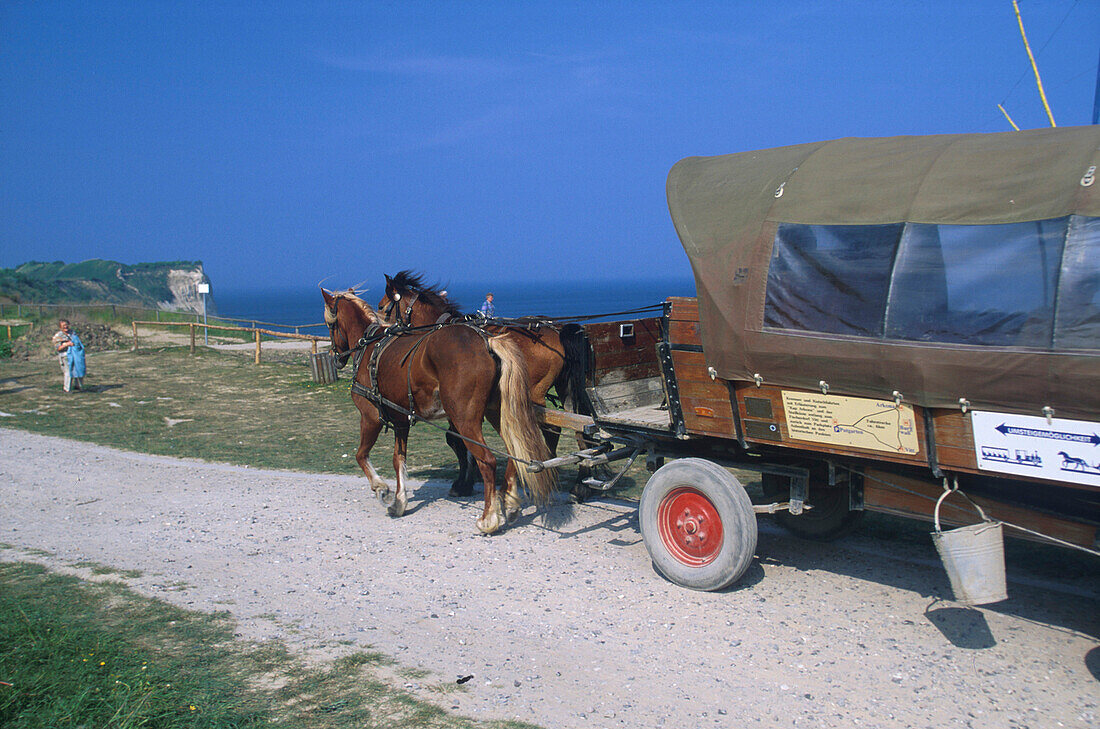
[[383, 338]]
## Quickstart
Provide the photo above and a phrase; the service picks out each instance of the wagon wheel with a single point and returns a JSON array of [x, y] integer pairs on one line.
[[698, 524], [829, 519]]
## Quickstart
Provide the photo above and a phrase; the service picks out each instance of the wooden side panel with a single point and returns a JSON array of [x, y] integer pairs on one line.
[[919, 500], [954, 440], [620, 396], [619, 359], [705, 403], [684, 333], [684, 307], [765, 421], [683, 322]]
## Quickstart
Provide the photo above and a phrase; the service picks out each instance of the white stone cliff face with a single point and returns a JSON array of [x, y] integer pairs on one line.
[[184, 285]]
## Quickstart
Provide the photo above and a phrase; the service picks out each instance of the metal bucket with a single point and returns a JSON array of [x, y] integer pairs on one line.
[[974, 557]]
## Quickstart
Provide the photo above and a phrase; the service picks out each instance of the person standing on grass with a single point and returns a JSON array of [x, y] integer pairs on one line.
[[487, 310], [70, 352]]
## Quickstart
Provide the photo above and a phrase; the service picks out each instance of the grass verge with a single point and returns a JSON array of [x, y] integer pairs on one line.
[[219, 406], [80, 654]]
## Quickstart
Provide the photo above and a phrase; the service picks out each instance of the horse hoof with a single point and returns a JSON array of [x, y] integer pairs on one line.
[[396, 509], [386, 496], [513, 507], [489, 525], [457, 491]]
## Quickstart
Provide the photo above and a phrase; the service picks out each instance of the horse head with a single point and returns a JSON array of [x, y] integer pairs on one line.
[[413, 302], [348, 318]]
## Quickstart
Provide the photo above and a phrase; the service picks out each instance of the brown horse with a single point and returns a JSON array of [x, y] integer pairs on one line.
[[416, 304], [451, 373]]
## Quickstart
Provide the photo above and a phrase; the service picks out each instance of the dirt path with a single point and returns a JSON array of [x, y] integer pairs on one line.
[[563, 624]]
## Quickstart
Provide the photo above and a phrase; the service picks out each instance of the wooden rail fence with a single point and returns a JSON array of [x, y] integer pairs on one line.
[[312, 338]]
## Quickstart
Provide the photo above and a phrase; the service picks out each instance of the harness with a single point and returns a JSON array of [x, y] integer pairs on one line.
[[382, 338]]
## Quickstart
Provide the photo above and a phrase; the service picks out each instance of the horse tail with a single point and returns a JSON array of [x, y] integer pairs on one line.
[[574, 370], [518, 426]]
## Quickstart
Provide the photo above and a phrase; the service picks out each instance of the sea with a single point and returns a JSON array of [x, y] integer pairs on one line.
[[302, 307]]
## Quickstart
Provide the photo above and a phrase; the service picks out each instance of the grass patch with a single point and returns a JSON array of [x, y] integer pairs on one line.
[[77, 654], [101, 569], [220, 406], [214, 405]]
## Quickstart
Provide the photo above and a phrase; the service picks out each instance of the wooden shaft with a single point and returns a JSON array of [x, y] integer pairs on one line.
[[192, 339], [313, 346], [257, 347], [134, 324]]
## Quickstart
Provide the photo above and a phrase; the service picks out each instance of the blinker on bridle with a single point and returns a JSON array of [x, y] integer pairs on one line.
[[394, 299]]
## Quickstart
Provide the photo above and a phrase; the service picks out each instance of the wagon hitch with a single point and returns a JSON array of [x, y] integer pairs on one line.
[[779, 506]]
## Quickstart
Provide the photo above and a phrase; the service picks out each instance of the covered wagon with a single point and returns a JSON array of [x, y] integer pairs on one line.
[[875, 319]]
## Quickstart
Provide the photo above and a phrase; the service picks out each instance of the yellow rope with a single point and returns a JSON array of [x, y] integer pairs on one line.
[[999, 106], [1034, 68]]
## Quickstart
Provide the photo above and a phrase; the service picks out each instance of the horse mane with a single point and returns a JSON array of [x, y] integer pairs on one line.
[[433, 295], [364, 308]]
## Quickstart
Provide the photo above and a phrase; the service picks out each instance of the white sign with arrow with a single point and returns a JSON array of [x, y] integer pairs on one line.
[[1027, 445]]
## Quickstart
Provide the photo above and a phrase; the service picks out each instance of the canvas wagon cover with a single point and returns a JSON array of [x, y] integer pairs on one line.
[[727, 211]]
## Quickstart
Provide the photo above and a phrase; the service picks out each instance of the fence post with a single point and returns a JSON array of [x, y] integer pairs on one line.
[[313, 346], [257, 346], [192, 327], [134, 325]]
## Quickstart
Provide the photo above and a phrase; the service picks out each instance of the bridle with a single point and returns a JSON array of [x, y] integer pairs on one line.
[[395, 298], [373, 333]]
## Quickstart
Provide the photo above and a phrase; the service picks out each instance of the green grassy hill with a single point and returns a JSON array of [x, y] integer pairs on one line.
[[98, 281]]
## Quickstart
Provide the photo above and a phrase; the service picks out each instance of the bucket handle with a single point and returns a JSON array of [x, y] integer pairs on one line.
[[953, 488]]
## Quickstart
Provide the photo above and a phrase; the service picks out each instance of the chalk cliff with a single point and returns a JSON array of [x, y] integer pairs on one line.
[[170, 285]]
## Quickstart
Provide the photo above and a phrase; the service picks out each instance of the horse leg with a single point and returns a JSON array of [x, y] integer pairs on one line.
[[492, 516], [400, 452], [369, 428], [464, 484], [552, 434]]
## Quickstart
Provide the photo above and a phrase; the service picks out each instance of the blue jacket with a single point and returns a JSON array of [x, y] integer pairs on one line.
[[75, 355]]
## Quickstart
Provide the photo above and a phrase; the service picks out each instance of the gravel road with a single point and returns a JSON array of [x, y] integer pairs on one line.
[[560, 618]]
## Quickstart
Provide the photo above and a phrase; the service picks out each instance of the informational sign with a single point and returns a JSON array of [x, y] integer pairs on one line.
[[856, 422], [1027, 445]]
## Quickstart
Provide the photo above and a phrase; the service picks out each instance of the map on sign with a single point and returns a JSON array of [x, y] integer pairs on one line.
[[1027, 445], [856, 422]]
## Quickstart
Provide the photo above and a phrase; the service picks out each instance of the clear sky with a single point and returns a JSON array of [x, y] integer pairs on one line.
[[282, 143]]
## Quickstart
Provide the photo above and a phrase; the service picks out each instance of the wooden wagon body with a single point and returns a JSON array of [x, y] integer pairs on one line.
[[875, 319]]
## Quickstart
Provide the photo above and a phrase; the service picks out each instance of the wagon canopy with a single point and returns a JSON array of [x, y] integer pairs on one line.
[[942, 267]]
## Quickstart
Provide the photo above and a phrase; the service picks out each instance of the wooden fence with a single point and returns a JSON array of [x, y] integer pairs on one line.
[[258, 333]]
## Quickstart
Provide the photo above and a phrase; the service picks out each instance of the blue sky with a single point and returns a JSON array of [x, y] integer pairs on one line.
[[282, 143]]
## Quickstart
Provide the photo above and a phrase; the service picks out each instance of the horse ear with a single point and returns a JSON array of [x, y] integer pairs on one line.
[[330, 300]]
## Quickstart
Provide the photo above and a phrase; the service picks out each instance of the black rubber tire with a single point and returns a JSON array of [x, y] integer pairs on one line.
[[727, 497], [829, 519]]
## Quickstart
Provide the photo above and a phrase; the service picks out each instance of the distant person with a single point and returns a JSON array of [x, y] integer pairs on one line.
[[487, 309], [70, 353]]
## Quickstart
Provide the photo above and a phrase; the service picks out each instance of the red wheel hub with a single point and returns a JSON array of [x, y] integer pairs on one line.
[[690, 527]]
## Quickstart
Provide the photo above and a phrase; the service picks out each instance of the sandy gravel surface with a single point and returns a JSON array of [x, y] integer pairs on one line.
[[563, 623]]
